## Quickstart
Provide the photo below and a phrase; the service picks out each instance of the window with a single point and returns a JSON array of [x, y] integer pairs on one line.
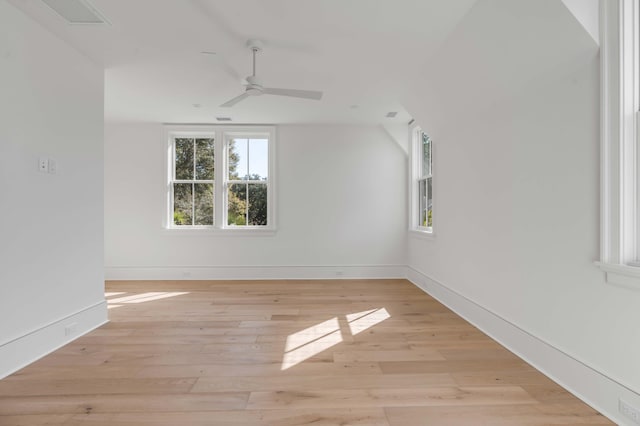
[[620, 145], [193, 181], [247, 184], [220, 178], [421, 181]]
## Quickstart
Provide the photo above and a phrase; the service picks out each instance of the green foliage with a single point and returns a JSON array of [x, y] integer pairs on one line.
[[182, 204], [428, 220], [237, 204], [179, 218], [184, 159], [233, 159], [204, 159], [257, 204], [247, 209], [203, 207]]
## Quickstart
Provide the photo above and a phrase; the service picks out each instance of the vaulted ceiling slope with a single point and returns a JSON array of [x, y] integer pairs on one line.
[[500, 49], [361, 53]]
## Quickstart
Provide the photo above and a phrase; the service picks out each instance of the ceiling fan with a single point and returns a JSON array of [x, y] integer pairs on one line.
[[254, 86]]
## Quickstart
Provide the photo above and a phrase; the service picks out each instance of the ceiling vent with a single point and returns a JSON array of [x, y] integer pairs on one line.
[[223, 118], [76, 11], [392, 114]]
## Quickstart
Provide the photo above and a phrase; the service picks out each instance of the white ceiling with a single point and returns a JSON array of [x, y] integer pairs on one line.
[[361, 53]]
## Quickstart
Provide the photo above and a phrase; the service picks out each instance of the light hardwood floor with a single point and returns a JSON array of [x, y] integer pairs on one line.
[[348, 352]]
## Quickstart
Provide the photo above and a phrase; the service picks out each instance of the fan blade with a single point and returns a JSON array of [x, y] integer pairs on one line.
[[234, 101], [306, 94]]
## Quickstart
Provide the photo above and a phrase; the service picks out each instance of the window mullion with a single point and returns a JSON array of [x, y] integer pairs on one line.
[[220, 190], [246, 203], [193, 203], [193, 184], [248, 154], [172, 174]]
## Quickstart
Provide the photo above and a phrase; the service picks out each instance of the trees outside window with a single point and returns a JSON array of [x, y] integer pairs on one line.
[[247, 184], [193, 181]]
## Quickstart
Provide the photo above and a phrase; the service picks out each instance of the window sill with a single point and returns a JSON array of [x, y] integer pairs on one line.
[[418, 233], [220, 232], [622, 275]]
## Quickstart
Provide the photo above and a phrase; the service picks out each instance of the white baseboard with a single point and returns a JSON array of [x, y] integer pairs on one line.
[[20, 352], [594, 388], [116, 273]]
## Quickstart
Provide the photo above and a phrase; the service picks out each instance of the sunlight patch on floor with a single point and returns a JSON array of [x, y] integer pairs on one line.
[[145, 297], [310, 334], [311, 349], [311, 341], [354, 316], [368, 320]]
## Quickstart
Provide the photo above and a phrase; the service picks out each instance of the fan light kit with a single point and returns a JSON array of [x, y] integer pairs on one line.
[[254, 86]]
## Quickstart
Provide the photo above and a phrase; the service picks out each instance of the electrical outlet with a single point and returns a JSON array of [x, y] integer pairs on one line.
[[629, 411], [70, 329], [43, 165], [53, 166]]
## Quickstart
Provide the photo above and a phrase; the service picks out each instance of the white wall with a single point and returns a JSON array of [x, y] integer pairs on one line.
[[51, 232], [341, 210], [512, 103]]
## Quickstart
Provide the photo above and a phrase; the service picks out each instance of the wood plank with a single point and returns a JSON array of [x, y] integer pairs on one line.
[[273, 369], [120, 403], [502, 377], [412, 367], [347, 355], [293, 383], [166, 340], [103, 371], [287, 417], [476, 354], [81, 386], [35, 420], [405, 397], [574, 414]]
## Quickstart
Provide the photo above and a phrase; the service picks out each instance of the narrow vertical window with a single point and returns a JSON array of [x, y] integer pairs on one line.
[[422, 148], [425, 184], [620, 142], [192, 181]]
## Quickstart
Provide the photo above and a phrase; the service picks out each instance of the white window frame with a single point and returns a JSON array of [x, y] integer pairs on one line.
[[415, 170], [226, 182], [222, 135], [619, 154], [172, 158]]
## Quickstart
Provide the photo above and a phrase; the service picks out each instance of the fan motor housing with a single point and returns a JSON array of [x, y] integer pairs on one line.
[[254, 88]]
